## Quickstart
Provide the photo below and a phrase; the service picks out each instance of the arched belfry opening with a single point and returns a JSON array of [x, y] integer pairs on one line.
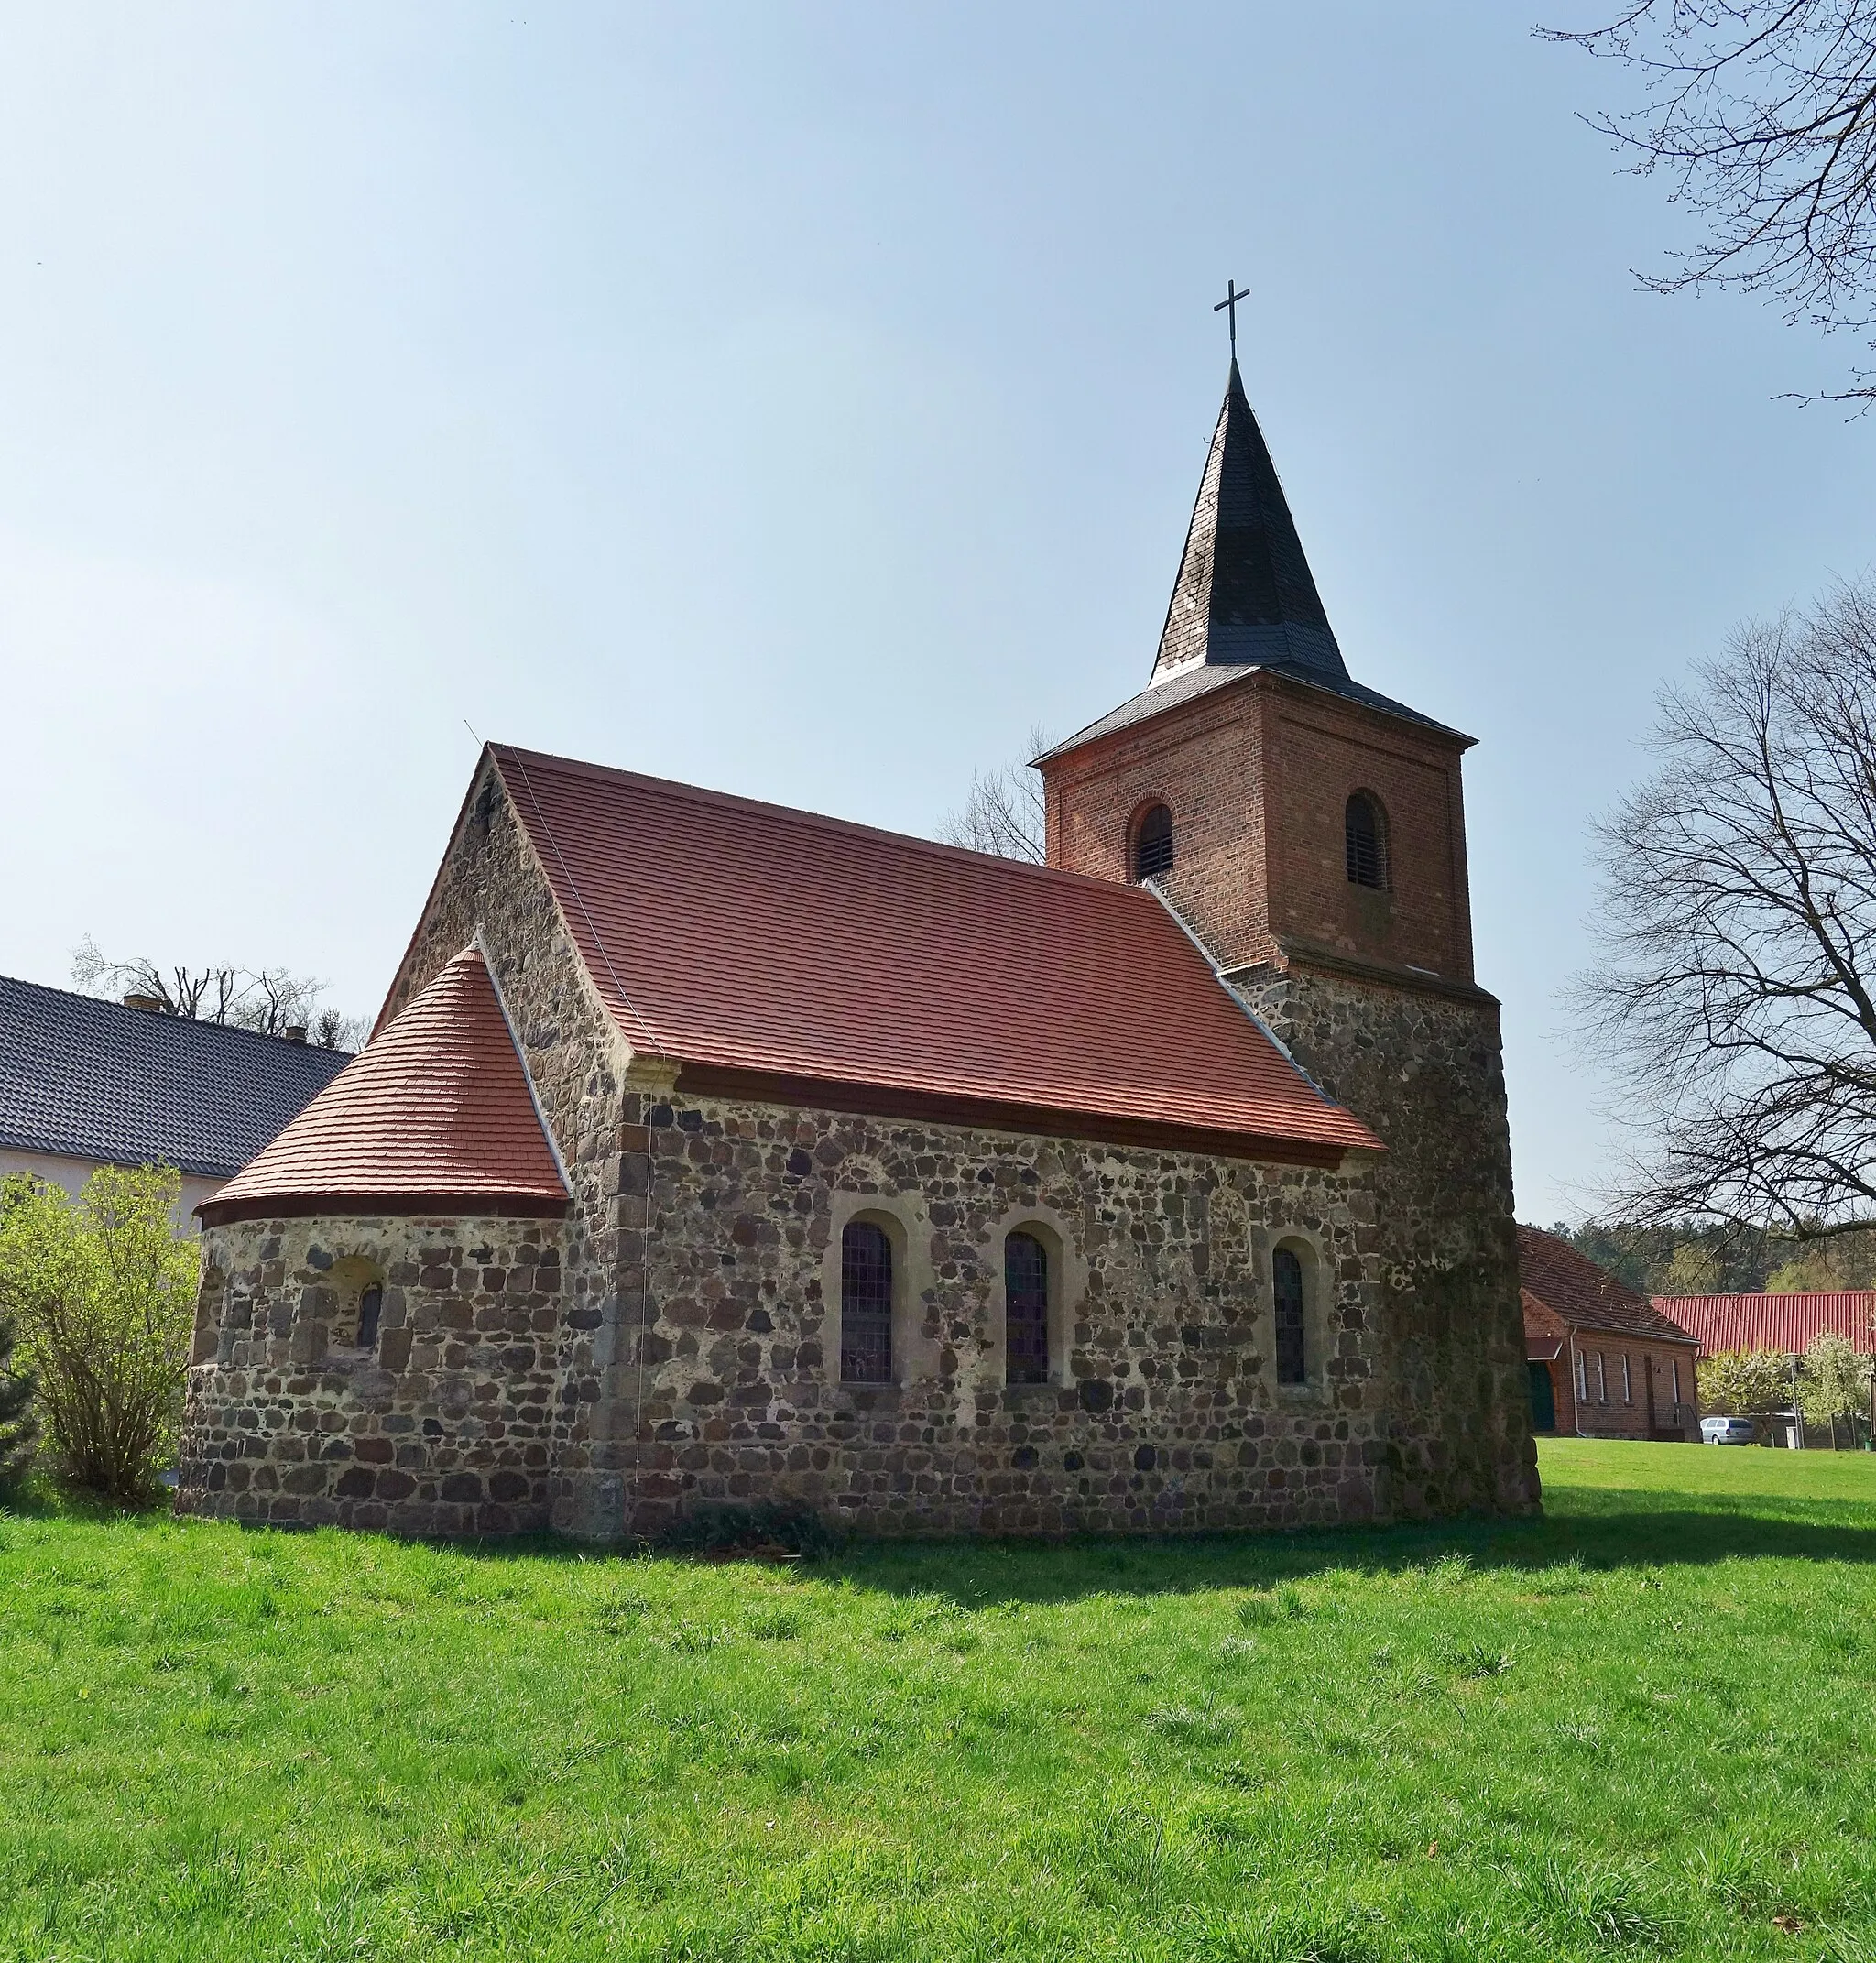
[[1154, 854]]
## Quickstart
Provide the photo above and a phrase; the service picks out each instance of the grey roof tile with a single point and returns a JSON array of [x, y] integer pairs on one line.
[[82, 1078]]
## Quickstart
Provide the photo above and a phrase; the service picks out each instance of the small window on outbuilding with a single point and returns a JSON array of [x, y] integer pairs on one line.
[[1293, 1351], [1152, 844], [1025, 1309], [1365, 835], [866, 1305]]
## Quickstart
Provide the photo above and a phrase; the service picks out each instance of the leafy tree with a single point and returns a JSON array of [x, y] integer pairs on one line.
[[1761, 114], [19, 1431], [1737, 992], [1649, 1257], [102, 1291], [1693, 1269], [1833, 1381], [270, 1000], [1005, 812], [1807, 1274], [1746, 1383]]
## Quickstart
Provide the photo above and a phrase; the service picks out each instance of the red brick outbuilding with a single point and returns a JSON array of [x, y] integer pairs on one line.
[[1604, 1362]]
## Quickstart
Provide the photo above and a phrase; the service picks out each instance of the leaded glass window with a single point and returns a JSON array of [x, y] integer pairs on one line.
[[1293, 1360], [1026, 1309], [866, 1305]]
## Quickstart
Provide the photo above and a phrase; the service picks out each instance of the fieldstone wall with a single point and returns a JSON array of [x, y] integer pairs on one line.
[[1165, 1414], [1423, 1067], [446, 1424], [490, 884]]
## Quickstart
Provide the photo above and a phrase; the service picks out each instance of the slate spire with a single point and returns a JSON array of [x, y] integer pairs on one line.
[[1245, 595]]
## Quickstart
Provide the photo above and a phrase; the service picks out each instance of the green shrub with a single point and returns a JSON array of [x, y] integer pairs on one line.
[[102, 1293], [19, 1431]]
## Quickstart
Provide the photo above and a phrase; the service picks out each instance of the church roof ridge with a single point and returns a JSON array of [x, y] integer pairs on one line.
[[802, 815], [778, 954]]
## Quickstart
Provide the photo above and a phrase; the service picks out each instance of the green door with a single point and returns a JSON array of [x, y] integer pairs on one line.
[[1543, 1399]]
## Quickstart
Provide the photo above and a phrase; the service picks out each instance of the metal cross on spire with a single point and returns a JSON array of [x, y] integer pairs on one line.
[[1228, 305]]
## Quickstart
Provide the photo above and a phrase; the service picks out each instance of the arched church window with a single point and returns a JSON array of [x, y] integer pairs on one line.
[[1286, 1275], [1025, 1309], [866, 1305], [1365, 833], [371, 1305], [1152, 845]]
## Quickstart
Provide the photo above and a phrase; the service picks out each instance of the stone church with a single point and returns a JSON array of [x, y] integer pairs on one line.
[[707, 1150]]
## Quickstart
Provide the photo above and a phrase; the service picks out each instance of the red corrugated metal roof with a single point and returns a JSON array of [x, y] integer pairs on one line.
[[1785, 1323], [1583, 1296], [433, 1114], [746, 937]]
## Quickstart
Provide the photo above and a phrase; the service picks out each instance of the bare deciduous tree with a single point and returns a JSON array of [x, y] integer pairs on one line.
[[1738, 925], [271, 1000], [1762, 112], [1004, 812]]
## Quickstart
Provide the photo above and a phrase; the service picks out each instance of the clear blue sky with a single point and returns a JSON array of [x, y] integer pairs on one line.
[[806, 399]]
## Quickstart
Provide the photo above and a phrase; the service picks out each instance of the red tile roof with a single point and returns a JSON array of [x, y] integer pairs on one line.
[[767, 946], [1785, 1323], [1583, 1296], [433, 1116]]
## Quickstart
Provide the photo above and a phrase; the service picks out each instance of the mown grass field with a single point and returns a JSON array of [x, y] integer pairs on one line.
[[1641, 1726]]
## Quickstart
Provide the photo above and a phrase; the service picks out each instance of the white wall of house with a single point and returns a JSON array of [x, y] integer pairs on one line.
[[71, 1175]]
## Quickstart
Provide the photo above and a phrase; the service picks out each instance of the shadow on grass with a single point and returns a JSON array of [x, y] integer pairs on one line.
[[1642, 1533], [1602, 1529]]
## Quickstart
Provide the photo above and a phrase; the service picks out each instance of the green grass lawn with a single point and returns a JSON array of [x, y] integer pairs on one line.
[[1640, 1727]]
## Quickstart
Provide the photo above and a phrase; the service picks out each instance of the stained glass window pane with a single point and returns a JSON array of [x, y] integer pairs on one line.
[[1026, 1309], [1293, 1362], [866, 1305]]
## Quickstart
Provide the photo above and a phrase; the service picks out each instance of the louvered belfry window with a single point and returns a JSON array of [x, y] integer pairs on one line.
[[1026, 1309], [1152, 845], [866, 1305], [1367, 842], [1292, 1361]]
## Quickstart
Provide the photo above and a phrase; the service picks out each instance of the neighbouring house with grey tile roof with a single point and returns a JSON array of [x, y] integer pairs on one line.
[[85, 1083]]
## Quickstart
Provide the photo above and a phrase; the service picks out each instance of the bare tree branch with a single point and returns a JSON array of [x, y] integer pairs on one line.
[[271, 1000], [1004, 812], [1763, 115], [1737, 923]]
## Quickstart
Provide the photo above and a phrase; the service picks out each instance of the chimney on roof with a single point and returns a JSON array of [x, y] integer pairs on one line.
[[151, 1005], [294, 1032]]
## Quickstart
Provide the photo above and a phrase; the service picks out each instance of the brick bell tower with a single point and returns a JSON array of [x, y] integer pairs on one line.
[[1311, 833]]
